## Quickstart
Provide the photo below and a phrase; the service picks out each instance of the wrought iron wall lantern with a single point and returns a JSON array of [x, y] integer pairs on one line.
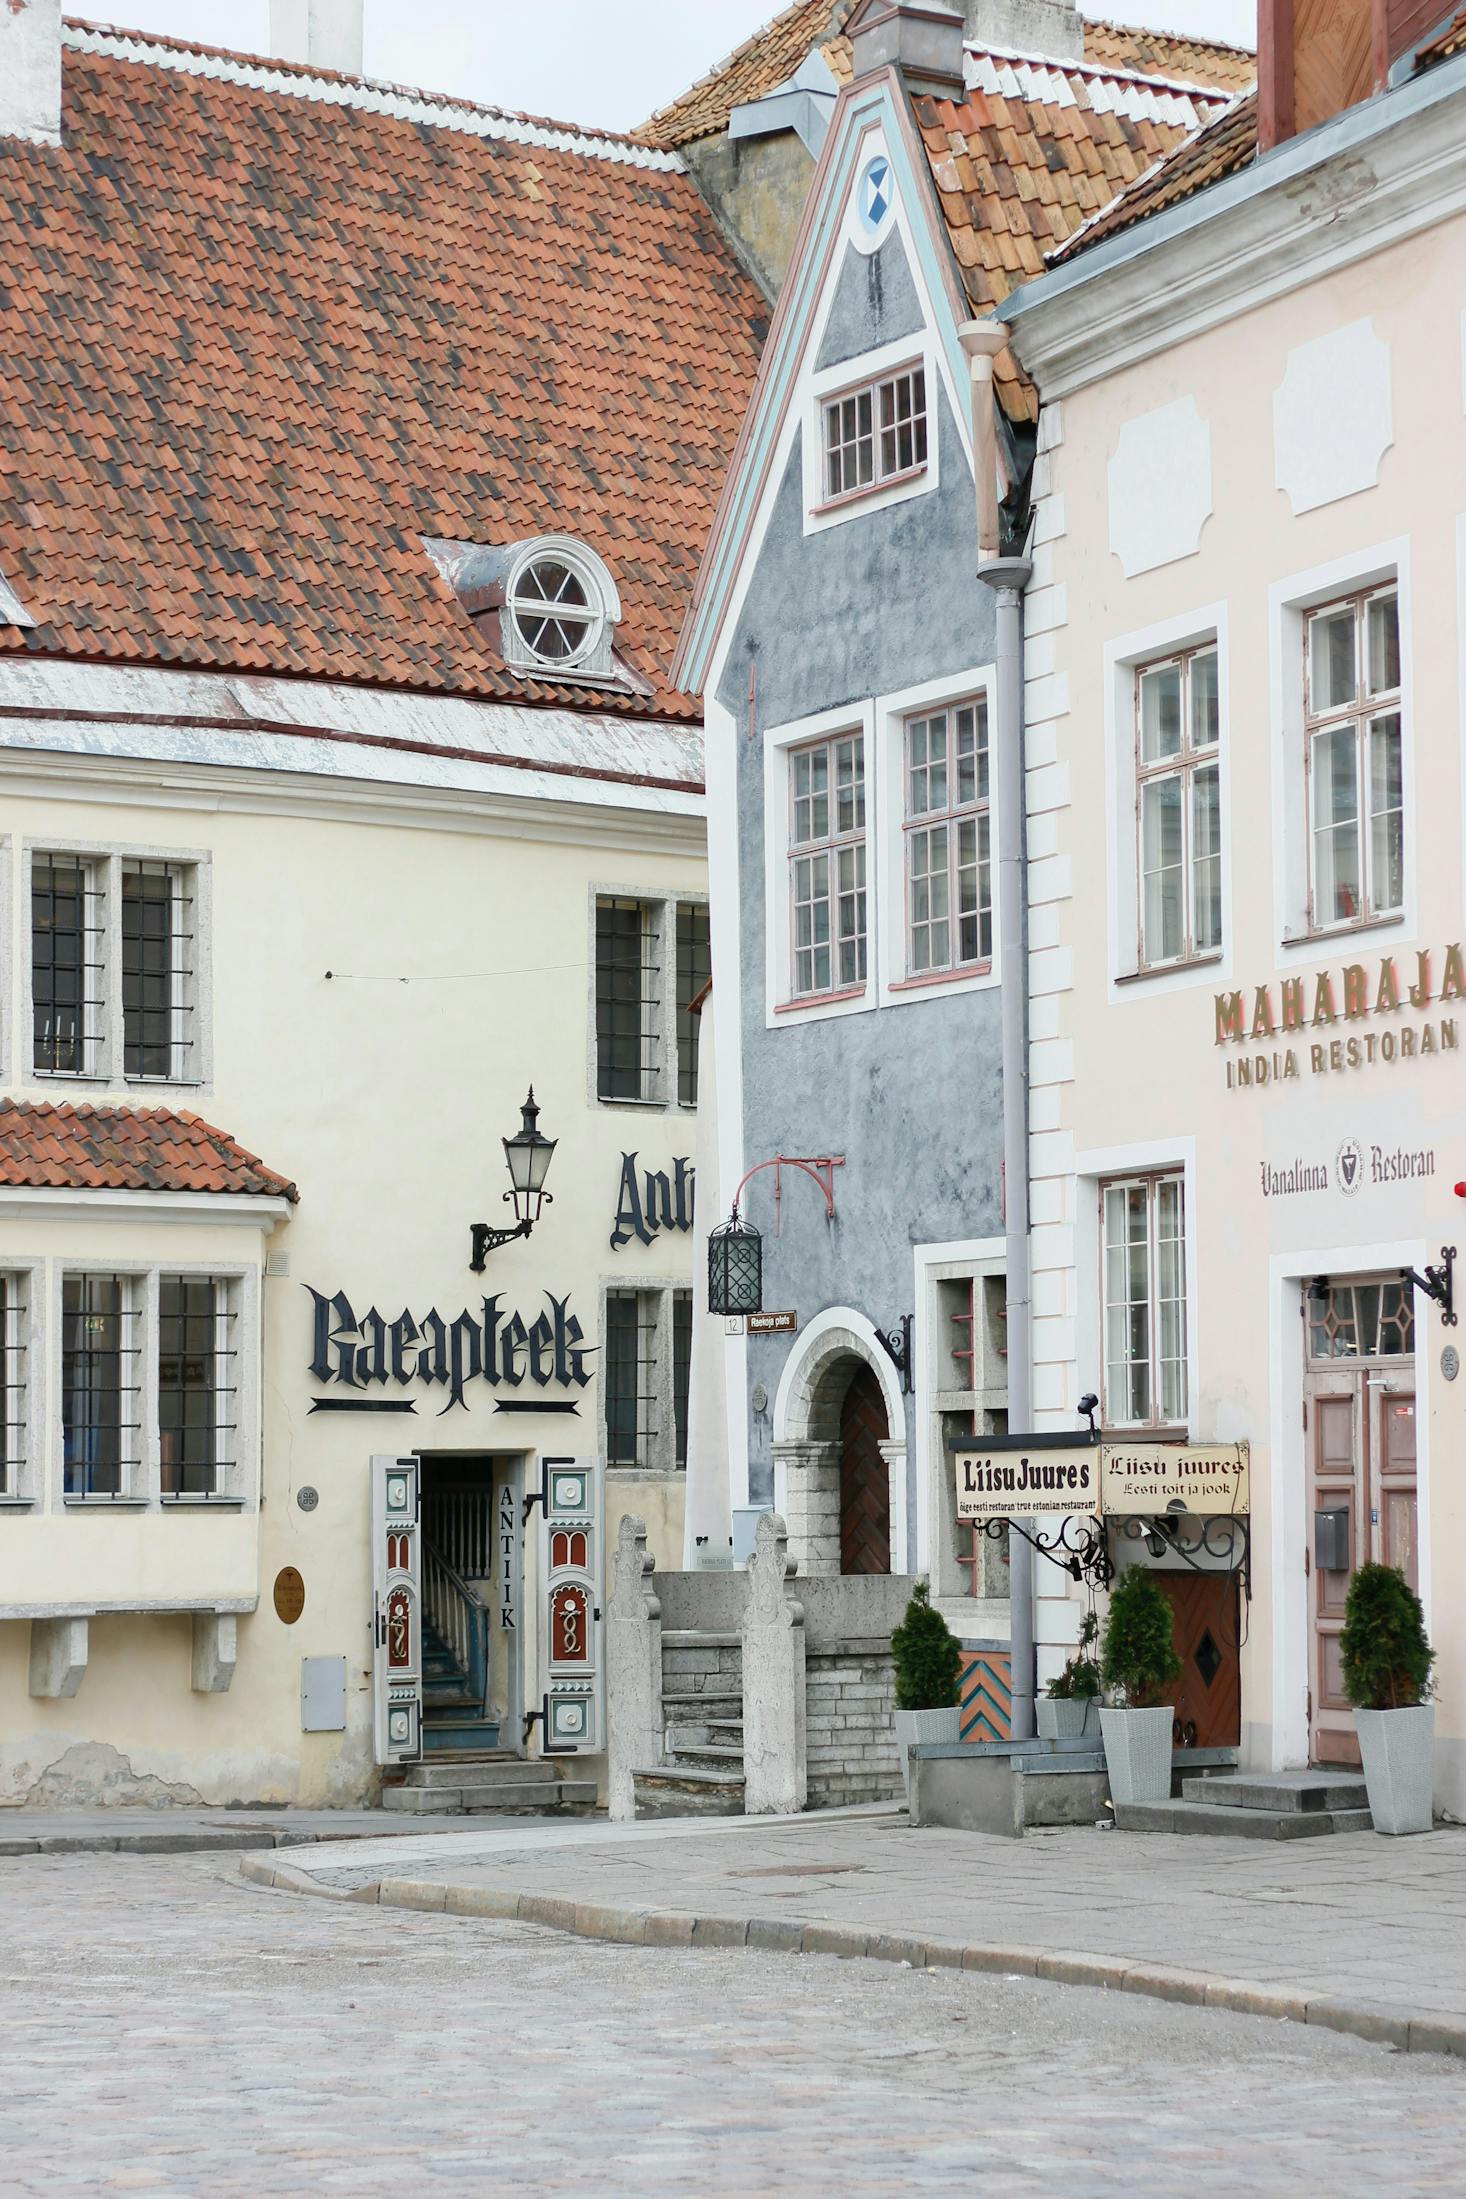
[[527, 1155], [736, 1250]]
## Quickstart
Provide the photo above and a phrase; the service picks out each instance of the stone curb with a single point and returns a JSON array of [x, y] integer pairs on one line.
[[1382, 2023], [196, 1842]]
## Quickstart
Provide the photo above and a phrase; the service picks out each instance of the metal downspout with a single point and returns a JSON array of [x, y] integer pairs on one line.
[[1008, 577]]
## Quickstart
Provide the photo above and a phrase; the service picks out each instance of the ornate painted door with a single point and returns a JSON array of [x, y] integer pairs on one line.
[[572, 1653], [397, 1644], [865, 1482]]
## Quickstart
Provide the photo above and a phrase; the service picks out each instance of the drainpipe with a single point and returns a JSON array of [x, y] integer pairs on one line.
[[1008, 577]]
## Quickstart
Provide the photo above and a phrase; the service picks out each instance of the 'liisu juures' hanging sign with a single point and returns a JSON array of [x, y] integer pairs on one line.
[[362, 1356], [1007, 1477]]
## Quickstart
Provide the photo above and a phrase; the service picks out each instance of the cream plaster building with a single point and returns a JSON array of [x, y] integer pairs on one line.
[[1248, 902]]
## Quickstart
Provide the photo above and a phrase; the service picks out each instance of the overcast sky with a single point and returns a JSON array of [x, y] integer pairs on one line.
[[609, 62]]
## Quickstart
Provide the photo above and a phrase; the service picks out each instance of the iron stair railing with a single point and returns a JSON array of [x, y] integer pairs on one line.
[[459, 1615]]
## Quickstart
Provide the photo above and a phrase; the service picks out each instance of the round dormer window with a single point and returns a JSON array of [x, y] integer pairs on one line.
[[560, 609]]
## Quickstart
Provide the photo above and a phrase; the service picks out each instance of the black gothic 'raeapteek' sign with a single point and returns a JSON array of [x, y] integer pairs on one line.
[[490, 1346], [652, 1201]]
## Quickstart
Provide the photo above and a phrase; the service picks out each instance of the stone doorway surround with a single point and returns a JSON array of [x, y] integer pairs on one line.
[[806, 1417]]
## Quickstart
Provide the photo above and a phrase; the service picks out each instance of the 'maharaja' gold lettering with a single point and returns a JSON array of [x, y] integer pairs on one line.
[[1453, 984], [1356, 992], [1293, 1016], [1388, 996], [1262, 1013], [1323, 1000], [1420, 990], [1229, 1017]]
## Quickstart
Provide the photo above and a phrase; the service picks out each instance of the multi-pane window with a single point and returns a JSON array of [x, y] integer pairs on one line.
[[197, 1383], [827, 866], [646, 1366], [101, 1388], [681, 1368], [875, 434], [157, 962], [1178, 783], [949, 872], [628, 998], [1144, 1288], [694, 968], [68, 941], [1353, 750], [13, 1331]]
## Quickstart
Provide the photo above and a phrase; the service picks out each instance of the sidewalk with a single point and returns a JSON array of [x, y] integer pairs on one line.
[[1357, 1932], [127, 1831]]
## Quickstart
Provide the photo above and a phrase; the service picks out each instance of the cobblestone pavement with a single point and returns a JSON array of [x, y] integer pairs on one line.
[[1380, 1921], [172, 2033]]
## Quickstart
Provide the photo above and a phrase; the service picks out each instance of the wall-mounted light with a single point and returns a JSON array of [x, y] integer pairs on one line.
[[527, 1156], [735, 1268]]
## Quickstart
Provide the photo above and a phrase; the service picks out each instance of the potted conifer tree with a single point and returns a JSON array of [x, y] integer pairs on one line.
[[1065, 1712], [928, 1663], [1139, 1663], [1387, 1657]]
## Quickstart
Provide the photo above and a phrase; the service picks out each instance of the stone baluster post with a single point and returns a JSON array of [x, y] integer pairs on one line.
[[634, 1733], [774, 1767]]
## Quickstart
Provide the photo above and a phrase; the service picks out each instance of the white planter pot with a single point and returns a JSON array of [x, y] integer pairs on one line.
[[915, 1726], [1398, 1747], [1138, 1753], [1059, 1720]]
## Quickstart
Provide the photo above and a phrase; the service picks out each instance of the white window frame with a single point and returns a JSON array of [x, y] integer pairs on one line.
[[886, 828], [1168, 1156], [1151, 1182], [1289, 602], [782, 1005], [915, 353], [25, 1479], [594, 660], [882, 428], [1125, 657], [240, 1476], [830, 848], [660, 1036], [106, 1052], [1359, 718], [1190, 760], [979, 1260]]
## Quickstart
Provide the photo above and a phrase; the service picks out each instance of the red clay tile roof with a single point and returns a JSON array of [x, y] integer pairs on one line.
[[1030, 153], [256, 342], [126, 1149], [1220, 148], [773, 53], [1451, 40]]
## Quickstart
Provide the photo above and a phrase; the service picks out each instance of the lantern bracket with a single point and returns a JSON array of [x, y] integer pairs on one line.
[[820, 1167], [1438, 1284]]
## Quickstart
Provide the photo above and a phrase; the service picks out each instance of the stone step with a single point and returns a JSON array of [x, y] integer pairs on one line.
[[707, 1756], [670, 1792], [1299, 1791], [481, 1766], [1237, 1824], [530, 1798], [693, 1638], [724, 1701]]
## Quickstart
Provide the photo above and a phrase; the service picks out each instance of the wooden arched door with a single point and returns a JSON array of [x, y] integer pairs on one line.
[[865, 1488]]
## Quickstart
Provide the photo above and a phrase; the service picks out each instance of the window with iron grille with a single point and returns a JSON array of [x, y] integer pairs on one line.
[[1144, 1298], [694, 968], [197, 1384], [628, 999], [68, 965], [681, 1367], [14, 1316], [827, 866], [101, 1388], [949, 872], [1354, 760], [157, 971], [1178, 808], [875, 434], [629, 1378]]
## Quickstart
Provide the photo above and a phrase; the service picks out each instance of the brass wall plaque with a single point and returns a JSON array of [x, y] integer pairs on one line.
[[289, 1595]]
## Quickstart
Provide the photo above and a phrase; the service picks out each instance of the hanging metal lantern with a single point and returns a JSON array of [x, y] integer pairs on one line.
[[735, 1268]]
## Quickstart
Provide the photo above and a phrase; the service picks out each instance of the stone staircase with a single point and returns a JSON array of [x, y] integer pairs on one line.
[[1280, 1805], [453, 1712], [702, 1704], [490, 1782]]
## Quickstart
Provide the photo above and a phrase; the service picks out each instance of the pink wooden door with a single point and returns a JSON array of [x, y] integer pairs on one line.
[[1337, 1486]]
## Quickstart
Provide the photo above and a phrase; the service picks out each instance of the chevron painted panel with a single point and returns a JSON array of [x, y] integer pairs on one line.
[[985, 1695]]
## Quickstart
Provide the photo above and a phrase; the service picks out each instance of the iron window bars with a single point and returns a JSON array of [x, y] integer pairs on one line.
[[827, 866], [68, 954], [694, 968], [1353, 760], [631, 1378], [157, 970], [628, 999], [949, 878], [13, 1319], [681, 1370], [100, 1387], [875, 434], [197, 1383], [1178, 808]]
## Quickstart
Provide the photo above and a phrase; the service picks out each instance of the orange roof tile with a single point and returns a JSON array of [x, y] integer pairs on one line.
[[260, 341], [1451, 40], [127, 1149], [1222, 146], [772, 54]]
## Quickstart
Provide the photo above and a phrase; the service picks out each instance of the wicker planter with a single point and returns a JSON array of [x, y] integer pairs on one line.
[[1398, 1748], [916, 1726], [1138, 1753], [1066, 1719]]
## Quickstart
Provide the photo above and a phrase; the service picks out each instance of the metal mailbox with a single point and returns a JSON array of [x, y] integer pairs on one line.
[[1331, 1552]]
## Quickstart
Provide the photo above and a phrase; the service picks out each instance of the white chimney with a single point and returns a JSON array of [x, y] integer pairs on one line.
[[30, 70], [326, 34]]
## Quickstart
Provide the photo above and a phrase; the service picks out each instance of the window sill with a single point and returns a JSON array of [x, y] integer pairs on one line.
[[820, 1000], [105, 1504], [938, 978], [201, 1504], [868, 489], [654, 1106], [644, 1473], [17, 1504], [1171, 969], [1331, 932]]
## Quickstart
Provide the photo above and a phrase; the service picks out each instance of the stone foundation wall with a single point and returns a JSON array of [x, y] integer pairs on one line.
[[850, 1699]]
